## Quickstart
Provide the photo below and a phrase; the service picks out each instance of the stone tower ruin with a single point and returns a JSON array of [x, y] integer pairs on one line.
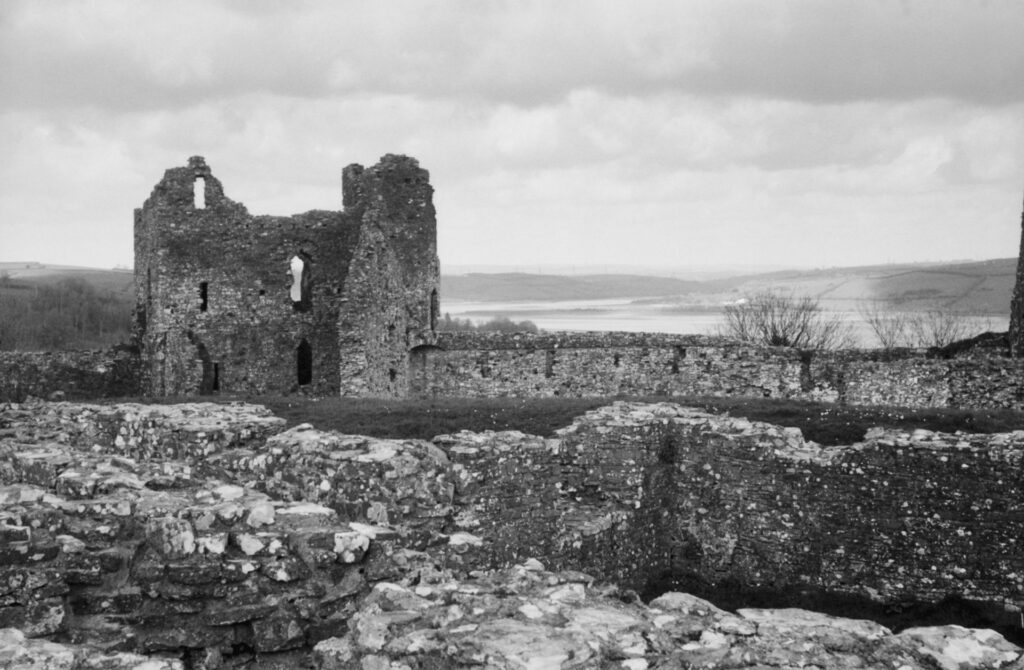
[[330, 301], [1017, 303]]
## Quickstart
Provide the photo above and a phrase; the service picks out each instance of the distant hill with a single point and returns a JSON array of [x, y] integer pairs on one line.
[[31, 273], [980, 287], [511, 286]]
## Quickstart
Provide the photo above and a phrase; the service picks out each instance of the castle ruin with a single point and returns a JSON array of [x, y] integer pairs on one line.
[[329, 301], [346, 302]]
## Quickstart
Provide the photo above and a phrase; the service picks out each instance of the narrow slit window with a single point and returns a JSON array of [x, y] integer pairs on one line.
[[304, 363], [204, 296], [199, 193], [302, 283], [216, 377]]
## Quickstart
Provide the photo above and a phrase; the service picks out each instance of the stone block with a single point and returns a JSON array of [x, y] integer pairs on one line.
[[278, 631], [183, 632], [238, 610], [171, 537], [37, 618], [103, 601]]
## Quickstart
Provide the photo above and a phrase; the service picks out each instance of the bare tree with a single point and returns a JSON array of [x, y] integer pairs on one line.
[[785, 320], [890, 327], [929, 328], [937, 327]]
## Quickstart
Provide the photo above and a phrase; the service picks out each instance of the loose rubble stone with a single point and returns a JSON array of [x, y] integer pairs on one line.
[[181, 538], [17, 652], [513, 618]]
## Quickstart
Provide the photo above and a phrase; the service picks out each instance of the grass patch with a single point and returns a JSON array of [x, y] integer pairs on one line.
[[426, 418], [830, 424], [824, 423]]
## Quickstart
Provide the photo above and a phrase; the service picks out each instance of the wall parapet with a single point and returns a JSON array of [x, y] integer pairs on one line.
[[76, 374], [644, 364], [467, 340], [599, 364]]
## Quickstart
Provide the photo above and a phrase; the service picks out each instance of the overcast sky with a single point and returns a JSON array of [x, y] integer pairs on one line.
[[642, 133]]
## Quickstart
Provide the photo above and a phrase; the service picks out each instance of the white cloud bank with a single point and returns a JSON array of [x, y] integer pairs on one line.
[[667, 133]]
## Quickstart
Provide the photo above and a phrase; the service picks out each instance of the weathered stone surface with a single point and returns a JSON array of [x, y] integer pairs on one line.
[[132, 434], [164, 553], [530, 618], [251, 544], [959, 648], [607, 364], [78, 374], [216, 312], [17, 652]]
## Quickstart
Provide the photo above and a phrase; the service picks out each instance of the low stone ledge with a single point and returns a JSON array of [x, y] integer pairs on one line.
[[467, 340], [22, 653], [525, 616], [269, 540]]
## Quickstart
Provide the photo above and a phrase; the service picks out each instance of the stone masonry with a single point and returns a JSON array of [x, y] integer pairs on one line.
[[213, 536], [646, 364], [585, 365], [327, 300]]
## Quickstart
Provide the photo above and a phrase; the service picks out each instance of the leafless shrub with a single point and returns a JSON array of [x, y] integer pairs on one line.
[[937, 327], [928, 328], [890, 327], [785, 320]]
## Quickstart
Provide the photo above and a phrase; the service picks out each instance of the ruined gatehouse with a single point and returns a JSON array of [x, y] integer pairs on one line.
[[330, 301]]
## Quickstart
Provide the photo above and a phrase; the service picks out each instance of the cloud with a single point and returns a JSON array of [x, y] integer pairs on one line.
[[696, 132], [131, 56], [871, 50]]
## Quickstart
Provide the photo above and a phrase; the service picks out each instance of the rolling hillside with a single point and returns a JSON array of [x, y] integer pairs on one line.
[[45, 306], [534, 287], [982, 287]]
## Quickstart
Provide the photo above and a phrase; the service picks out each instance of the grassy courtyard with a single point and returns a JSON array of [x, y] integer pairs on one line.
[[824, 423]]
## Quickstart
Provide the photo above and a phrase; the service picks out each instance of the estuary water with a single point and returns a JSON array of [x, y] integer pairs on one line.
[[630, 315]]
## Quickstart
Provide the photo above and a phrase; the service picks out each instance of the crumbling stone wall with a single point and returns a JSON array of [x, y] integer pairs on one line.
[[607, 364], [632, 490], [214, 310], [211, 533], [391, 303], [374, 360], [901, 515], [201, 530], [76, 374], [601, 364]]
